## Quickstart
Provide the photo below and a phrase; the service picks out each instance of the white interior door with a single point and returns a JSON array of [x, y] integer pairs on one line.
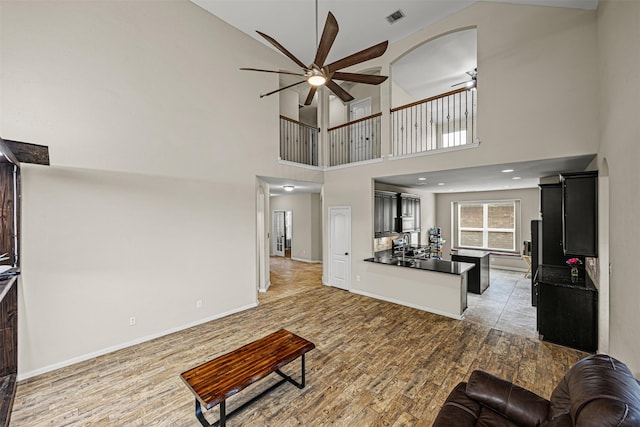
[[361, 138], [278, 233], [340, 247]]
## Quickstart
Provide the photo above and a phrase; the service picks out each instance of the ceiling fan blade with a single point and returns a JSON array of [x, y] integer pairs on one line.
[[273, 71], [358, 57], [312, 92], [340, 93], [326, 41], [282, 88], [369, 79], [283, 50]]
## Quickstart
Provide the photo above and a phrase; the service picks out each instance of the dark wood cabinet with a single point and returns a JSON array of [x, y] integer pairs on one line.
[[552, 252], [408, 215], [8, 346], [580, 214], [395, 213], [567, 309], [384, 209]]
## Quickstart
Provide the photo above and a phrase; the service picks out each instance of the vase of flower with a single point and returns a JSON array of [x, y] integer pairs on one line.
[[574, 263]]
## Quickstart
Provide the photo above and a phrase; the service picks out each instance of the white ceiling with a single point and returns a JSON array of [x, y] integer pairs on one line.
[[487, 178], [433, 68], [362, 23], [277, 186]]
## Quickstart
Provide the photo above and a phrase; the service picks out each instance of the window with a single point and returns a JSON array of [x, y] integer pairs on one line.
[[487, 225], [453, 139]]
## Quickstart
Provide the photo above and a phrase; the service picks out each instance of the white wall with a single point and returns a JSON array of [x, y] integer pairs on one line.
[[289, 104], [306, 210], [552, 49], [153, 169], [619, 67], [529, 209]]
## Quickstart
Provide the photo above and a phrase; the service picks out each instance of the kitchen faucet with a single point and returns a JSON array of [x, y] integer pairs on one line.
[[406, 237]]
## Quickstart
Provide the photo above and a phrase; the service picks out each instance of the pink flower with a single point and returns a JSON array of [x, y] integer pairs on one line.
[[574, 262]]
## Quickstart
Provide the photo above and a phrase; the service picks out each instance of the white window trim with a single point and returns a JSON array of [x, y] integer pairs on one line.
[[517, 230]]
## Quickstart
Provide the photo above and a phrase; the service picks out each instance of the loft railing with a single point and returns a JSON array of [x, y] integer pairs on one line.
[[298, 142], [443, 121], [355, 141]]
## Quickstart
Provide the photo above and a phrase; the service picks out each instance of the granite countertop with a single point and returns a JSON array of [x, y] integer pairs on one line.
[[474, 253], [561, 276], [436, 265]]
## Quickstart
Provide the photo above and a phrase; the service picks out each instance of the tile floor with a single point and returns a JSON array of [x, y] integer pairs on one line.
[[505, 305]]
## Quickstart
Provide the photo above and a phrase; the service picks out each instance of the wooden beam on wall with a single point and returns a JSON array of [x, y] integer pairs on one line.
[[25, 152]]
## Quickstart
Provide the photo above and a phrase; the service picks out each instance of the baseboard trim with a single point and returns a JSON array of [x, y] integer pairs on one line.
[[267, 285], [312, 261], [505, 267], [407, 304], [92, 355]]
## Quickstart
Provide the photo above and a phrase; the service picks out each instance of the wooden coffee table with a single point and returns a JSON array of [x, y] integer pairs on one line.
[[216, 380]]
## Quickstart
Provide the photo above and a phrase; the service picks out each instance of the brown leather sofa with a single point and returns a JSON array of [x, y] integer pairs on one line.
[[597, 391]]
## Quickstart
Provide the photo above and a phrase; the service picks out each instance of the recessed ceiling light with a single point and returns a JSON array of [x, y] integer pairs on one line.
[[506, 186], [441, 183], [516, 177], [506, 170], [422, 178], [288, 187]]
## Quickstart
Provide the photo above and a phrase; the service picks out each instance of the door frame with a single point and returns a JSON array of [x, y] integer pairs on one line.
[[274, 234], [332, 209]]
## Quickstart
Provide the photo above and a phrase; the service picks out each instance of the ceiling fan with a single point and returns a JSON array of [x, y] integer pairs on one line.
[[318, 74], [470, 83]]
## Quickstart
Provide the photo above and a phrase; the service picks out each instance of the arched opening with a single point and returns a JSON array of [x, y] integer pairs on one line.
[[434, 96]]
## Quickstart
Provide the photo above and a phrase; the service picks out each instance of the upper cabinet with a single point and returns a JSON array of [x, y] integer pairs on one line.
[[408, 219], [580, 214], [552, 252], [395, 213], [385, 205]]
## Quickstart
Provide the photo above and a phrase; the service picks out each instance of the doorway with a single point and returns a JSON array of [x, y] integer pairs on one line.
[[340, 247], [282, 231], [361, 138]]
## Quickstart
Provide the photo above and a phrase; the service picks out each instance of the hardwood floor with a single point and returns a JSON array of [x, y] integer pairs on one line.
[[375, 363]]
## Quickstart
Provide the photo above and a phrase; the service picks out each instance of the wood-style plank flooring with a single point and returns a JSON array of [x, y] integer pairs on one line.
[[375, 364]]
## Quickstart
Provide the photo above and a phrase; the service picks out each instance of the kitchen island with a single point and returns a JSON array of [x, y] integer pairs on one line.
[[431, 285], [478, 276]]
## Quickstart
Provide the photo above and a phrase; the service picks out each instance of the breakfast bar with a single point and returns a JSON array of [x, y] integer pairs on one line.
[[432, 285]]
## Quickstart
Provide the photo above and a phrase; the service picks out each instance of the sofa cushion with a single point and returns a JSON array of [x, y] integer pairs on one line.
[[513, 402], [598, 391], [459, 409]]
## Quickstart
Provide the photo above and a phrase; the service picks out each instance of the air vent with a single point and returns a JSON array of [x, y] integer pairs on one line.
[[398, 14]]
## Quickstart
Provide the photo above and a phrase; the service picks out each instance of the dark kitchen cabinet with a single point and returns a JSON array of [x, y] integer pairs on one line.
[[9, 346], [385, 209], [567, 308], [552, 252], [408, 215], [580, 214]]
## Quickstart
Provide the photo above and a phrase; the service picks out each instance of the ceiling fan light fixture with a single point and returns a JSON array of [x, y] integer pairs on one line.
[[316, 78]]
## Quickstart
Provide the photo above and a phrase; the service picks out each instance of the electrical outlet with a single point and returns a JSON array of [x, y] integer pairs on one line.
[[132, 320], [199, 303]]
